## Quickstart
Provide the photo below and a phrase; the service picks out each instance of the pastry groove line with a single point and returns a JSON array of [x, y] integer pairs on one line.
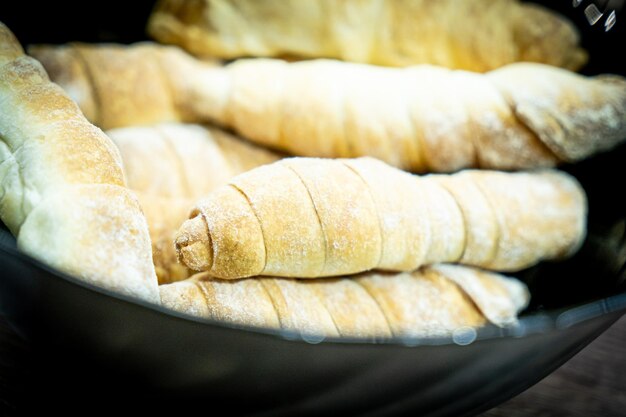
[[382, 310], [256, 216], [378, 214], [317, 215]]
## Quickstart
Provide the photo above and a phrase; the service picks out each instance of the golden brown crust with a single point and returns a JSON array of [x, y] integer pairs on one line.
[[118, 85], [496, 296], [338, 218], [315, 217], [137, 75], [10, 47], [170, 166], [242, 155], [423, 303], [550, 229], [66, 67], [179, 160], [151, 164], [244, 302], [477, 35], [95, 232], [421, 118], [63, 191], [354, 312], [541, 34], [434, 301], [34, 107], [398, 217], [572, 115], [482, 232], [299, 307], [281, 229], [194, 246]]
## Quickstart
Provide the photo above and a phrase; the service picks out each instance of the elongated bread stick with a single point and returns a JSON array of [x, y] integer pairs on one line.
[[421, 118], [62, 188], [433, 301], [314, 217], [478, 35]]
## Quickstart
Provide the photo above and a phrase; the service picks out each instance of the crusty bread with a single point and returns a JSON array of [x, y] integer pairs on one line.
[[170, 166], [477, 35], [433, 301], [421, 118], [119, 85], [178, 160], [63, 192], [316, 217]]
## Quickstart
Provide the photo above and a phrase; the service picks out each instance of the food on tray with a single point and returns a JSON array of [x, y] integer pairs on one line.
[[433, 301], [63, 193], [421, 119], [316, 217], [477, 35], [170, 166]]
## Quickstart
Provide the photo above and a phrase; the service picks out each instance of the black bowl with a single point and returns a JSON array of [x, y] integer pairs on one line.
[[108, 352], [145, 358]]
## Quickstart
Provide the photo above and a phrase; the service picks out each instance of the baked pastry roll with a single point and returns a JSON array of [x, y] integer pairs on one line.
[[422, 118], [476, 35], [433, 301], [314, 217], [62, 188]]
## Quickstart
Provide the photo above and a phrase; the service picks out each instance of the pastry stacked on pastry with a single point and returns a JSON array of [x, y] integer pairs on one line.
[[170, 166], [377, 183]]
